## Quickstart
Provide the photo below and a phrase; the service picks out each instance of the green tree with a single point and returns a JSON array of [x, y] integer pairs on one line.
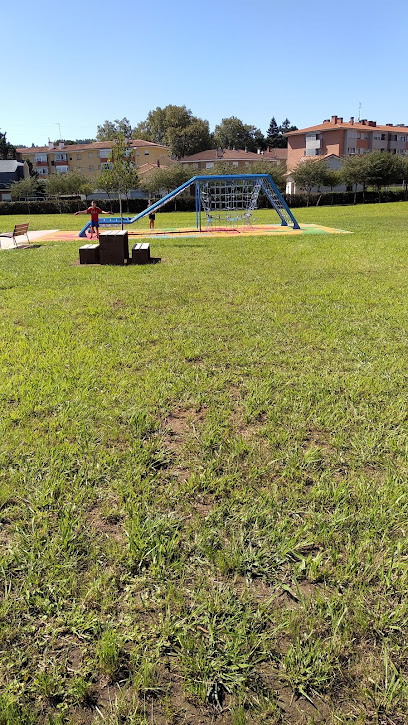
[[354, 172], [7, 150], [31, 170], [24, 188], [162, 180], [382, 169], [177, 128], [110, 130], [73, 182], [277, 172], [233, 133], [121, 177], [311, 174], [272, 133], [275, 134], [189, 140]]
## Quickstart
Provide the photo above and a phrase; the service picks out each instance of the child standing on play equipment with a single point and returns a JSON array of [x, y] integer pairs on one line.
[[94, 211], [152, 216]]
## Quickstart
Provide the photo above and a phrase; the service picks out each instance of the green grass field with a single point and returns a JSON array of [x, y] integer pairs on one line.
[[203, 482]]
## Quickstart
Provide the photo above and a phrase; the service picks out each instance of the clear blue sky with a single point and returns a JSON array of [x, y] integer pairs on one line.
[[77, 64]]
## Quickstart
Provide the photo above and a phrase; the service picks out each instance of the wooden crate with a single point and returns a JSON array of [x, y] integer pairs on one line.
[[141, 253], [89, 254], [114, 247]]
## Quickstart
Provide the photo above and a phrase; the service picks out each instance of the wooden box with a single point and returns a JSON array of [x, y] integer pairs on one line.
[[141, 253], [89, 254], [114, 247]]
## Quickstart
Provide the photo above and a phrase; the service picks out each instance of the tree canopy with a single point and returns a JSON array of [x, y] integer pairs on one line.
[[26, 187], [7, 150], [274, 134], [109, 130], [312, 174], [233, 133], [177, 128], [374, 168], [165, 179], [119, 177], [186, 134]]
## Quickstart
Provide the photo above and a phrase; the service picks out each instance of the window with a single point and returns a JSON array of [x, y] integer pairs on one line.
[[235, 163], [351, 150], [78, 157], [90, 154], [90, 168], [402, 138], [209, 164], [383, 137], [104, 153], [146, 153]]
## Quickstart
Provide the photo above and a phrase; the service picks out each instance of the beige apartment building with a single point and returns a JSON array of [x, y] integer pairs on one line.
[[89, 158], [339, 138]]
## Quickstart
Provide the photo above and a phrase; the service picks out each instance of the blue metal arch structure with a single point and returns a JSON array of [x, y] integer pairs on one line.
[[267, 186]]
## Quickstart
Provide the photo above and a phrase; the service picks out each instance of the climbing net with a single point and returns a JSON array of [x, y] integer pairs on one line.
[[229, 203]]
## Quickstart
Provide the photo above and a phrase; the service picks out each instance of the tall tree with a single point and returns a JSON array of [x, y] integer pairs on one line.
[[109, 130], [26, 187], [164, 179], [275, 137], [354, 172], [312, 174], [177, 128], [121, 177], [7, 150], [382, 169], [233, 133], [272, 133], [71, 183]]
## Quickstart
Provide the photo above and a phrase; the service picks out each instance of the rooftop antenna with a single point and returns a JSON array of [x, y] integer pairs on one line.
[[359, 111]]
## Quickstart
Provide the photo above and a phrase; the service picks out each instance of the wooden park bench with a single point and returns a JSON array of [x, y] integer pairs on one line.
[[19, 230]]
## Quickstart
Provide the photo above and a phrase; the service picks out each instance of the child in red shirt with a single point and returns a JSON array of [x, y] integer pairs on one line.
[[94, 211]]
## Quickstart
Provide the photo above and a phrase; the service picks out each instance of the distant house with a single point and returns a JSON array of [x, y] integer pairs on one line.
[[11, 171], [238, 159], [345, 138]]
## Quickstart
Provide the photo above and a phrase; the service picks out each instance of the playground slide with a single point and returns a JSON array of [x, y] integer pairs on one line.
[[267, 185]]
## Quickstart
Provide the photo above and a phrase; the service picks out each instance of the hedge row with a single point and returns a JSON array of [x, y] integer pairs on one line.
[[188, 203], [342, 198], [67, 207]]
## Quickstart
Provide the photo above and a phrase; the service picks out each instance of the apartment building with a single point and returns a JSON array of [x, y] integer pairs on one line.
[[334, 136], [89, 158], [238, 159]]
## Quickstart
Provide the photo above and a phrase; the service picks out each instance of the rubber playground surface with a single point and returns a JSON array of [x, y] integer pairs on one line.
[[254, 230]]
